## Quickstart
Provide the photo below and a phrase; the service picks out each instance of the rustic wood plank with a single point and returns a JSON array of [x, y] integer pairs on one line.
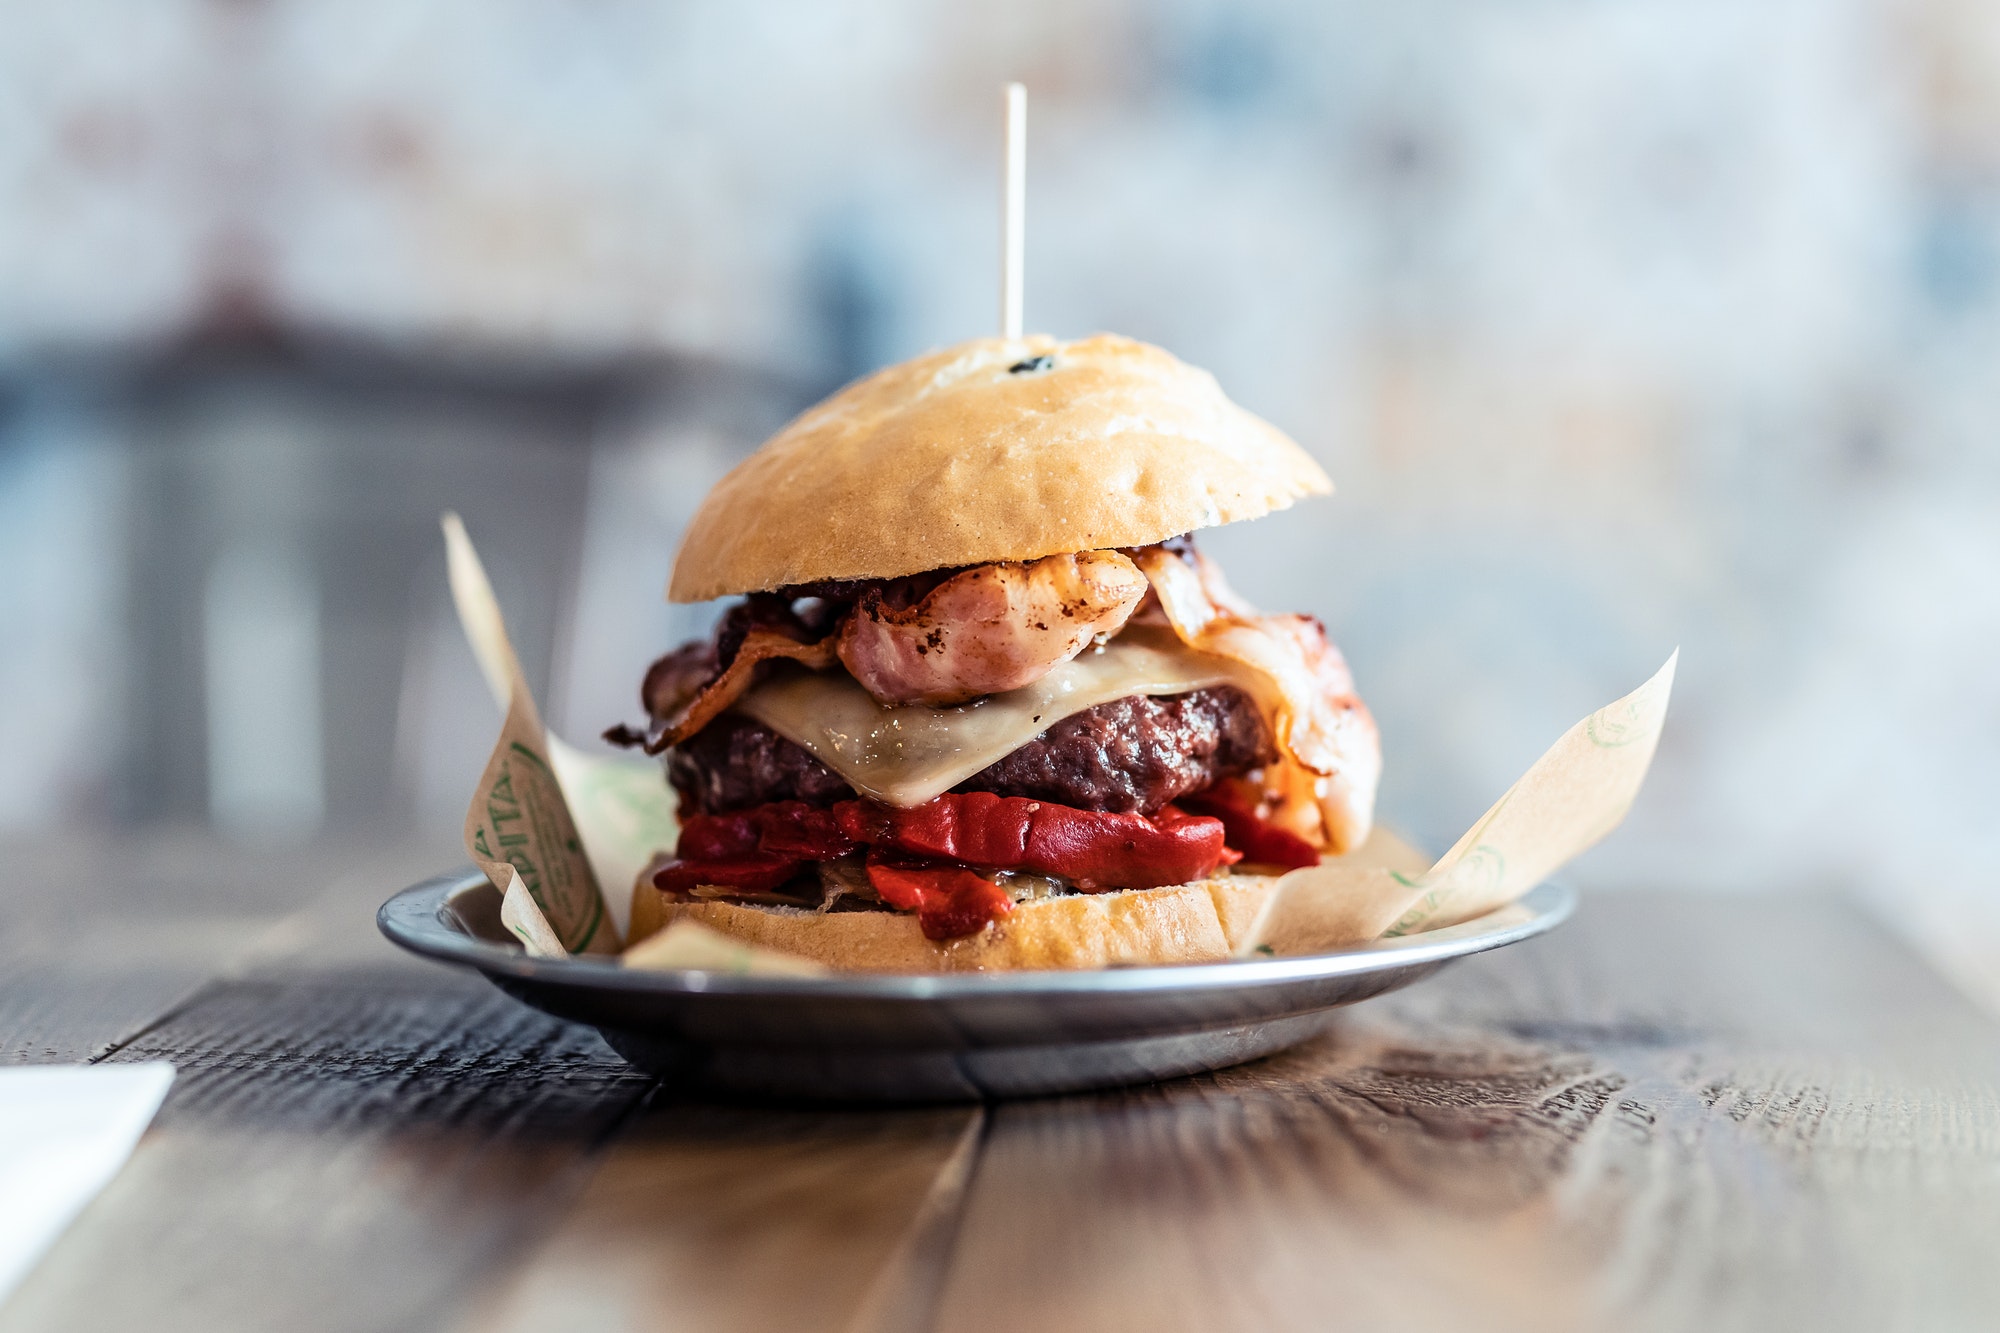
[[78, 998], [1679, 1112], [1676, 1112], [362, 1140], [99, 937], [344, 1152], [743, 1219], [356, 1140]]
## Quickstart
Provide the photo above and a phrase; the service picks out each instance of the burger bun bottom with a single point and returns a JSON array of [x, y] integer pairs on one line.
[[1199, 922]]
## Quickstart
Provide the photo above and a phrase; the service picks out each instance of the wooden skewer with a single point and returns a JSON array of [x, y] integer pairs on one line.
[[1014, 186]]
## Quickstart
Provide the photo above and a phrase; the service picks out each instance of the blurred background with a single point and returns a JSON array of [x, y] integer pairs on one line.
[[1621, 324]]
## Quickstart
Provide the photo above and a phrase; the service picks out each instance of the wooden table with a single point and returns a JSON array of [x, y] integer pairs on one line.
[[1678, 1112]]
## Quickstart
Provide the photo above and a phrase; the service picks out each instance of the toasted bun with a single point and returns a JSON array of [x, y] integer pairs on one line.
[[1200, 922], [952, 460]]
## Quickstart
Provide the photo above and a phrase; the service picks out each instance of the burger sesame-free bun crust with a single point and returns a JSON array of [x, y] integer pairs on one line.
[[1199, 922], [951, 460]]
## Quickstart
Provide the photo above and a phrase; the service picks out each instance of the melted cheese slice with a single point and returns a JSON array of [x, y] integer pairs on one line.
[[904, 756]]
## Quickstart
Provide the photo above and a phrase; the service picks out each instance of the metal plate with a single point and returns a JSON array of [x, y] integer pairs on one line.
[[940, 1037]]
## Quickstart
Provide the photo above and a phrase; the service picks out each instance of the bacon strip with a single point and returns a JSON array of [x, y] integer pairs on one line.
[[679, 710], [989, 629], [673, 682], [1323, 788]]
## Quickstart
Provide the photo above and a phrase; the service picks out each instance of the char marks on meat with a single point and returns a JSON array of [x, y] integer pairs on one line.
[[1132, 754], [988, 629], [734, 763], [943, 637], [1136, 753]]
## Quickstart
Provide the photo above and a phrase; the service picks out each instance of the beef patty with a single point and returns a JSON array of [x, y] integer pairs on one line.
[[1136, 753]]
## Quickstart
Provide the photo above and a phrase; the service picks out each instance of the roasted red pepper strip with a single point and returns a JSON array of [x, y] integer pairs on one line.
[[760, 848], [1090, 849], [718, 837], [1263, 843], [793, 828], [754, 850], [949, 900], [789, 828]]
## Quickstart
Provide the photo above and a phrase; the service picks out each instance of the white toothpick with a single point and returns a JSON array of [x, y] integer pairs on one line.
[[1014, 205]]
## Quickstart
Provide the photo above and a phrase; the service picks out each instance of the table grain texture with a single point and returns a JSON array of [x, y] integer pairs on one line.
[[1680, 1111]]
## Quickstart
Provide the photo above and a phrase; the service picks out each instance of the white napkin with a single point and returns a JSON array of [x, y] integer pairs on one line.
[[64, 1132]]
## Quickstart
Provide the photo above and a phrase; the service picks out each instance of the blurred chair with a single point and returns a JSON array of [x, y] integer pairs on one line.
[[292, 662]]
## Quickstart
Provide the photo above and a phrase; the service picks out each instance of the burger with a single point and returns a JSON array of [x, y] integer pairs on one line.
[[983, 703]]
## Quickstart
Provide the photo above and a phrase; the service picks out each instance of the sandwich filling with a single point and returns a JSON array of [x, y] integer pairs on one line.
[[950, 744]]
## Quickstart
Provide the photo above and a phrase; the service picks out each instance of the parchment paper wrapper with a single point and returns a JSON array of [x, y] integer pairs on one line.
[[519, 829], [553, 827], [1571, 798]]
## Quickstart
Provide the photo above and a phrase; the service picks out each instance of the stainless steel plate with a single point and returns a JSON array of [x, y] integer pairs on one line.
[[948, 1037]]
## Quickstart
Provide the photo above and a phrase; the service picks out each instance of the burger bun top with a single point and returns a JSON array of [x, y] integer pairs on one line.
[[996, 449]]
